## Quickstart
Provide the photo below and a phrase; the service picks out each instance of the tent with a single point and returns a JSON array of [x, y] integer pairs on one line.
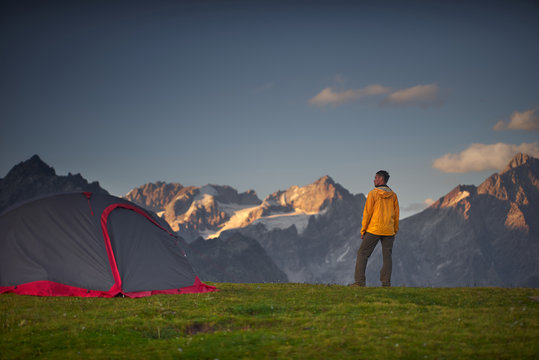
[[91, 245]]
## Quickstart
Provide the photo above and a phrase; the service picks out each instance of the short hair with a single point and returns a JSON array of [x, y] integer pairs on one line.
[[383, 174]]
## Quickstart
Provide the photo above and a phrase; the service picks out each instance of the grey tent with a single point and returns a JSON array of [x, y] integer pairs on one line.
[[93, 245]]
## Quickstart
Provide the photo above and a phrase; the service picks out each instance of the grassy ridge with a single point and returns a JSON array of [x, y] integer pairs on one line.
[[278, 321]]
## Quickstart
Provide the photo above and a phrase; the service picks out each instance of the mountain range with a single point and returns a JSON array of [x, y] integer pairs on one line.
[[486, 235], [473, 236], [305, 230]]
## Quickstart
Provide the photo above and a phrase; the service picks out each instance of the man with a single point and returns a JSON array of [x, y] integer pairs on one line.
[[380, 223]]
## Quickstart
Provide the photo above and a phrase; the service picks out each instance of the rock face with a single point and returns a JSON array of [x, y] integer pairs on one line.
[[312, 232], [236, 258], [311, 198], [485, 236], [33, 178], [154, 196], [199, 211], [193, 211]]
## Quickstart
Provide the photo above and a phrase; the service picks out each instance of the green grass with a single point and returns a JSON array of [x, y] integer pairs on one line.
[[278, 321]]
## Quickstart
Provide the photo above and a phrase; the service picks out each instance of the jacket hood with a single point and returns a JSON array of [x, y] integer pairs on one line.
[[385, 192]]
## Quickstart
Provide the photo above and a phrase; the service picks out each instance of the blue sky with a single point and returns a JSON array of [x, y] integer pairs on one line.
[[265, 95]]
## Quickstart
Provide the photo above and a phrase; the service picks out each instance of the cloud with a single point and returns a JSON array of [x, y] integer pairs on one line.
[[479, 157], [527, 120], [415, 207], [429, 201], [328, 96], [419, 95]]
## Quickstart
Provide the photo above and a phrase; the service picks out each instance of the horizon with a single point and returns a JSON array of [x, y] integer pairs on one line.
[[268, 95], [407, 214]]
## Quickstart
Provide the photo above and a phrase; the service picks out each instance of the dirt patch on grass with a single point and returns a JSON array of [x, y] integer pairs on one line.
[[197, 327]]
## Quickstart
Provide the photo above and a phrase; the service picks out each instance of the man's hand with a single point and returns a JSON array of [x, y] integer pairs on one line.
[[362, 235]]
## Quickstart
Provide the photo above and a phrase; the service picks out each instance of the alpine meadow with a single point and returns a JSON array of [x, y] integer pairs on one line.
[[277, 321]]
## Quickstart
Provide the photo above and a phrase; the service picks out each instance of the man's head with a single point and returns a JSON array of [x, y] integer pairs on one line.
[[381, 178]]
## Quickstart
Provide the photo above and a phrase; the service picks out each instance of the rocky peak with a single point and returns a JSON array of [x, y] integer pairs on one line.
[[154, 196], [196, 210], [181, 202], [455, 196], [310, 198], [33, 178], [511, 195], [249, 198], [34, 167], [516, 182], [228, 195], [324, 181], [519, 160]]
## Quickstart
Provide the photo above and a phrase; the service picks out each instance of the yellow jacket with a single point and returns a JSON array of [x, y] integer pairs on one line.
[[381, 213]]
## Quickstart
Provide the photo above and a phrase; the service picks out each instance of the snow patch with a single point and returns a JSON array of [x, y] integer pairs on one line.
[[200, 201], [206, 234], [341, 258], [238, 219], [272, 202], [203, 199], [208, 190], [231, 209], [322, 212], [283, 221], [442, 265], [461, 195], [242, 216], [129, 193]]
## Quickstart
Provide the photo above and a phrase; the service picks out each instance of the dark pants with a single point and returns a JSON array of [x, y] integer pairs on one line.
[[366, 249]]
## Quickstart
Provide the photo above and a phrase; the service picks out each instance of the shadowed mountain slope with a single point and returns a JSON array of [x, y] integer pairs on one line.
[[33, 178]]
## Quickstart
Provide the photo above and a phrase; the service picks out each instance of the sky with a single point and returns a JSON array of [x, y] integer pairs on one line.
[[264, 95]]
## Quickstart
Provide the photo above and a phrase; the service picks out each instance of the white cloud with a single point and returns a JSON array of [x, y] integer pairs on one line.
[[500, 125], [527, 120], [479, 157], [419, 95], [328, 96]]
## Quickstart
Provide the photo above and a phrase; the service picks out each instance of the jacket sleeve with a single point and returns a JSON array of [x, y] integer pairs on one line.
[[397, 214], [367, 213]]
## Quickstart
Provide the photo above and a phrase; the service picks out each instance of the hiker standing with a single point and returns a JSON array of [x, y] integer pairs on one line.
[[380, 222]]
